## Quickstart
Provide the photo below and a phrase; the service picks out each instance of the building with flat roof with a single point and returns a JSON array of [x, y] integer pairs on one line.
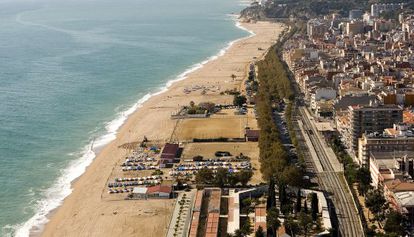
[[369, 119], [157, 191], [169, 154], [400, 138]]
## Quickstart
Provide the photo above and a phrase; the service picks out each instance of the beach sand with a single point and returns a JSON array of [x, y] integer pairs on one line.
[[86, 213]]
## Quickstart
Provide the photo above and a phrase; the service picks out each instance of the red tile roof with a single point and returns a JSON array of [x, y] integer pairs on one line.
[[159, 189]]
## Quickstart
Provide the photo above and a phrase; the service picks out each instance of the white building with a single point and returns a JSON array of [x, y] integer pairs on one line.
[[322, 94]]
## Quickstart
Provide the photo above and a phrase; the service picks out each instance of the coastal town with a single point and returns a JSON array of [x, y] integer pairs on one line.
[[310, 133]]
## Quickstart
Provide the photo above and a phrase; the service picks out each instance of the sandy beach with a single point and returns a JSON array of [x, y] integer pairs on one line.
[[86, 213]]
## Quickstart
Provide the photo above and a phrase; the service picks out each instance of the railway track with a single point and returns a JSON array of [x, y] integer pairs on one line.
[[334, 183]]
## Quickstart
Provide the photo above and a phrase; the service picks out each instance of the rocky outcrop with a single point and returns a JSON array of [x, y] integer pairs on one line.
[[252, 13]]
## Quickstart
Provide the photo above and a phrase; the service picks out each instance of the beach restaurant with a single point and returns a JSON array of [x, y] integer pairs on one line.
[[158, 191], [169, 154]]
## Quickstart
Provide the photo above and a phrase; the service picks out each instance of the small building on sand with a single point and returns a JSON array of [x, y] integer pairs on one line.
[[154, 192], [252, 135], [169, 154], [159, 191]]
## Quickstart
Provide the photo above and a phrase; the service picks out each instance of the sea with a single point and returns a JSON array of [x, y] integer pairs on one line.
[[72, 71]]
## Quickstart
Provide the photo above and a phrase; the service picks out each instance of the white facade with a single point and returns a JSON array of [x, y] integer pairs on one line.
[[322, 94]]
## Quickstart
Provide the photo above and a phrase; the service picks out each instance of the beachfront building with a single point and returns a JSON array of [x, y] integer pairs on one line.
[[155, 192], [195, 220], [234, 201], [169, 155]]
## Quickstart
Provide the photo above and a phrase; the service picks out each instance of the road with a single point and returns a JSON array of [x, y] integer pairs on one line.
[[333, 182]]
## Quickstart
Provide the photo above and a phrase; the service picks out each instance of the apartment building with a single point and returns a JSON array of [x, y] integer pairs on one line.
[[369, 119], [398, 139]]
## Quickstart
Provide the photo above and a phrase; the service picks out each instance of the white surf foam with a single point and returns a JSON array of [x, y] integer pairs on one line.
[[54, 196]]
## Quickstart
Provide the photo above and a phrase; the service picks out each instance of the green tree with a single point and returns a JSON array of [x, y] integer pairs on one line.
[[305, 221], [259, 232], [364, 180], [233, 76], [375, 201], [244, 176], [305, 206], [247, 227], [221, 178], [271, 195], [292, 226], [192, 104], [395, 224], [272, 220], [239, 100], [204, 176], [239, 233], [292, 176], [314, 206], [210, 107], [298, 206], [247, 206], [233, 179]]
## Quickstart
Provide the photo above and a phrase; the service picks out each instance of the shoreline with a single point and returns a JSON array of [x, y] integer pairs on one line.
[[126, 124], [92, 150]]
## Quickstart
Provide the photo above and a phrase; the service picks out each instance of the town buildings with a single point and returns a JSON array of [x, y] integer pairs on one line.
[[358, 73]]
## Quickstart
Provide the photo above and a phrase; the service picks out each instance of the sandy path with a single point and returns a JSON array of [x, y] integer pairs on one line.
[[84, 213]]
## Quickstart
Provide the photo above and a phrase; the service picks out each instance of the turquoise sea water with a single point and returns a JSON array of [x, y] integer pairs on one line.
[[71, 70]]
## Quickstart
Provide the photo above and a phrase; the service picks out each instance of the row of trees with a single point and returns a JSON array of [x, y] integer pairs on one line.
[[277, 169], [223, 178], [274, 85]]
